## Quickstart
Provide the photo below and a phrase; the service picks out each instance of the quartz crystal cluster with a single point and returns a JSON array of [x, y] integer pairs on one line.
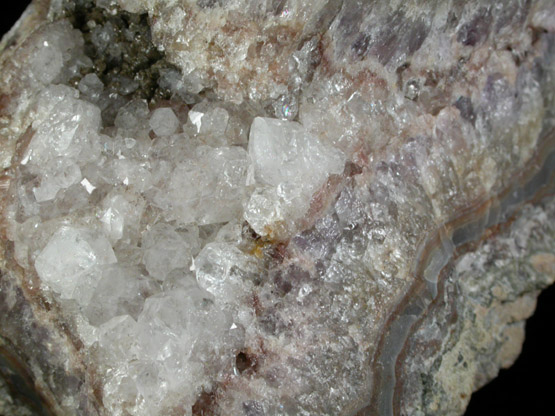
[[285, 207]]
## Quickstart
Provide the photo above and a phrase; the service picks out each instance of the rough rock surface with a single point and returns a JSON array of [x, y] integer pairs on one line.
[[236, 207]]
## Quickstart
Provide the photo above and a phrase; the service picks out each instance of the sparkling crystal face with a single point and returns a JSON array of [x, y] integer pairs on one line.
[[260, 226]]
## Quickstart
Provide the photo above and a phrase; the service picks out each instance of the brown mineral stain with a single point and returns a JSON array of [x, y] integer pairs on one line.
[[279, 252], [274, 231], [4, 104], [4, 183], [22, 145], [257, 306], [205, 404], [258, 248], [246, 362]]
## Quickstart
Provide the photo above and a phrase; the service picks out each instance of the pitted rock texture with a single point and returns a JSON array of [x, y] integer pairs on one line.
[[273, 208]]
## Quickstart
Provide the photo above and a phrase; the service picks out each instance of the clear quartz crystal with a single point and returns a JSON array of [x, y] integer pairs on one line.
[[136, 221], [121, 290], [59, 173], [164, 122], [288, 166], [47, 62], [67, 128], [164, 250], [208, 188], [120, 215], [220, 269], [91, 87], [133, 115], [68, 255]]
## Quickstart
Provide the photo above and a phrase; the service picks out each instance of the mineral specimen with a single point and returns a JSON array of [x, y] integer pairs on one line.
[[245, 207]]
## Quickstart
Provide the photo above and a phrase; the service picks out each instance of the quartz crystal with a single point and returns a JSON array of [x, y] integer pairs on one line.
[[163, 122], [288, 167], [69, 255], [245, 207]]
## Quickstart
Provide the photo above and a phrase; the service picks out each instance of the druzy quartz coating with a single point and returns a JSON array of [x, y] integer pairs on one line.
[[243, 207]]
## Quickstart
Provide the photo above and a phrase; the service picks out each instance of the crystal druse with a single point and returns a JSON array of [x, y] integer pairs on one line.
[[286, 207]]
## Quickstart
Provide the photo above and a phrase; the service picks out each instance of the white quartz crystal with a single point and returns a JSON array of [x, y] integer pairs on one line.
[[121, 290], [47, 63], [66, 128], [165, 250], [120, 215], [207, 188], [284, 152], [223, 270], [57, 55], [289, 165], [133, 115], [163, 122], [135, 217], [209, 122], [69, 254], [59, 173], [91, 87], [118, 338]]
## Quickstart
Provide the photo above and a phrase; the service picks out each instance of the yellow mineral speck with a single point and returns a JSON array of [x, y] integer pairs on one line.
[[258, 251]]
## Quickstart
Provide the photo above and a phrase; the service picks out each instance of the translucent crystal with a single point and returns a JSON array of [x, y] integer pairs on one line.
[[103, 36], [47, 63], [121, 290], [206, 258], [68, 255], [164, 122], [292, 165], [132, 173], [222, 269], [59, 173], [282, 151], [57, 55], [132, 115], [268, 213], [65, 130], [286, 108], [208, 188], [118, 337], [91, 87], [120, 215], [209, 120], [166, 250], [169, 323]]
